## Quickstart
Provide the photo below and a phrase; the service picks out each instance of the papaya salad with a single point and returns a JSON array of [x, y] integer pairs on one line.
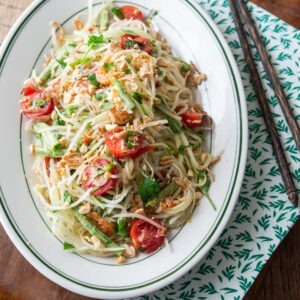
[[117, 134]]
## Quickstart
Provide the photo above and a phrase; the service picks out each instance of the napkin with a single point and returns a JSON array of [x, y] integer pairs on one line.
[[263, 215]]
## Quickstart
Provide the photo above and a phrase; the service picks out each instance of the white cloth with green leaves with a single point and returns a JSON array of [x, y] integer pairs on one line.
[[263, 215]]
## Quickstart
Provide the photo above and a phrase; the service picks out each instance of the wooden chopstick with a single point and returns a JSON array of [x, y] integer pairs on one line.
[[270, 71], [266, 112]]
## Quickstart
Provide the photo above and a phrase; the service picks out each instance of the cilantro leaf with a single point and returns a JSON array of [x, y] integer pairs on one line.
[[62, 63], [181, 149], [148, 188], [93, 80], [38, 102], [68, 246], [129, 44], [122, 229], [116, 11], [59, 120], [95, 39], [101, 96], [108, 66], [138, 97]]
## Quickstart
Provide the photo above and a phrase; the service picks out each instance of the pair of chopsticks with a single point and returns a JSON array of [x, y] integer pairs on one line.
[[240, 13]]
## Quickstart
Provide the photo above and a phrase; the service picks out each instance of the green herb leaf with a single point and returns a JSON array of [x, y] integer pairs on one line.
[[148, 188], [93, 80], [153, 43], [129, 44], [197, 146], [138, 97], [128, 59], [59, 120], [201, 134], [62, 63], [174, 125], [109, 66], [101, 96], [182, 148], [159, 71], [116, 11], [95, 39], [131, 139], [122, 229], [69, 110], [68, 246], [38, 102]]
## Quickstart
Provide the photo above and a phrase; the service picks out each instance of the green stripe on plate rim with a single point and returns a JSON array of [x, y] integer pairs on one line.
[[222, 210]]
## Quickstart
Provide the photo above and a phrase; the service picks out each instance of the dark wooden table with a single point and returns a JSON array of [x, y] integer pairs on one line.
[[280, 279]]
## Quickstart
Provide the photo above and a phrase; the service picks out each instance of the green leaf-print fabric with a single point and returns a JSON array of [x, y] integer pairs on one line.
[[262, 216]]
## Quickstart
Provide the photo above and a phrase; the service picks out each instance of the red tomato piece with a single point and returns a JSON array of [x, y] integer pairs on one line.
[[143, 151], [28, 90], [47, 164], [192, 118], [92, 179], [131, 12], [117, 143], [128, 41], [145, 236], [37, 107]]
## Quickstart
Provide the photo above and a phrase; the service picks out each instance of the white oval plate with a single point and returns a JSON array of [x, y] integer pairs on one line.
[[193, 36]]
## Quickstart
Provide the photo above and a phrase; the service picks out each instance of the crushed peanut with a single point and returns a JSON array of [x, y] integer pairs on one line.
[[129, 250], [32, 149], [165, 160], [121, 260], [83, 149], [96, 242], [190, 173], [85, 208]]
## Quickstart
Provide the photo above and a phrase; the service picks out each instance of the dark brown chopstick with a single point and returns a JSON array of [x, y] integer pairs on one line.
[[271, 73], [266, 112]]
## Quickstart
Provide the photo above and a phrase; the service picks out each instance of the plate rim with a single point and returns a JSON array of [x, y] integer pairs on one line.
[[43, 267]]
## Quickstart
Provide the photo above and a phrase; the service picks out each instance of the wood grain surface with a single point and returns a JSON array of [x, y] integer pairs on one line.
[[280, 279]]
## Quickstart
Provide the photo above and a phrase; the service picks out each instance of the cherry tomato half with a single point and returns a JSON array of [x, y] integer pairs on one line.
[[35, 106], [122, 143], [145, 236], [193, 118], [128, 41], [131, 12], [28, 90], [94, 177], [142, 151]]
